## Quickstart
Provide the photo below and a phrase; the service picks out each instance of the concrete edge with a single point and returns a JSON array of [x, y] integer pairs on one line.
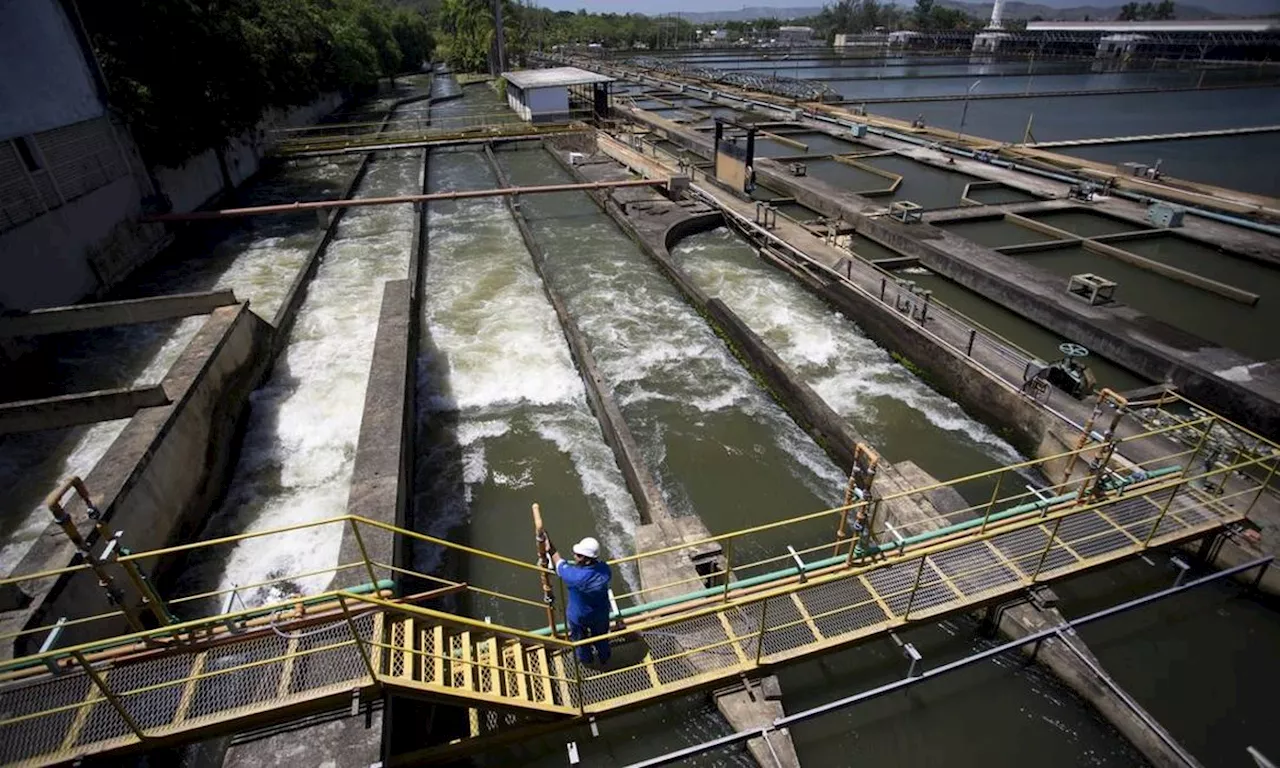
[[125, 469], [79, 408], [85, 317], [639, 478]]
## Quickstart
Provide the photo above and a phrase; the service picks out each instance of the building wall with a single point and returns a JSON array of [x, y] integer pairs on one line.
[[548, 104], [45, 82]]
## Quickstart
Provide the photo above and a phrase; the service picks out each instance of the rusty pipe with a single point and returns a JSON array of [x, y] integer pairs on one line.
[[316, 205]]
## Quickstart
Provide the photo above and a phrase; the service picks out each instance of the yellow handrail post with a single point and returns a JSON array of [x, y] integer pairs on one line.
[[911, 598], [109, 695], [764, 622], [355, 635], [1048, 546], [728, 567], [364, 553], [1204, 436], [991, 505], [1261, 488]]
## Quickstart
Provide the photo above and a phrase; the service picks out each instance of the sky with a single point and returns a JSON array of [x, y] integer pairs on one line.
[[669, 6]]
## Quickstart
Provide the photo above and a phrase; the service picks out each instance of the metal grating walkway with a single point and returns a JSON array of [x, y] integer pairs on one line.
[[161, 696]]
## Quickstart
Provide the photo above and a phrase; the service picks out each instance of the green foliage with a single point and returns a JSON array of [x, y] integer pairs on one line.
[[1162, 11], [188, 74], [856, 16]]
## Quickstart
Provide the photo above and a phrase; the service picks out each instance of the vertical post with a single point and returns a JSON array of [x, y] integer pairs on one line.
[[355, 635], [991, 505], [364, 553], [1174, 493], [764, 617], [1045, 554], [1026, 135], [973, 333], [882, 284], [1261, 488], [728, 568], [911, 598], [109, 695], [544, 563]]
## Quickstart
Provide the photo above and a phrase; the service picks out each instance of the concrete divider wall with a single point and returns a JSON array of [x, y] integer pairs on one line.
[[1156, 351], [164, 471], [381, 478], [1160, 356], [639, 479]]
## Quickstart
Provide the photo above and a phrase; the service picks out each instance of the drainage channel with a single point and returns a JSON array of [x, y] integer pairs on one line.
[[642, 363], [296, 456], [257, 259], [721, 448]]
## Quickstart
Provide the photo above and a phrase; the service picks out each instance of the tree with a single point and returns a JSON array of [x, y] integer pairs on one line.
[[1128, 12], [924, 13], [237, 58]]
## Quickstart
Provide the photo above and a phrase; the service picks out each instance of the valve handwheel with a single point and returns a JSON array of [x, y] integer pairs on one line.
[[1071, 349]]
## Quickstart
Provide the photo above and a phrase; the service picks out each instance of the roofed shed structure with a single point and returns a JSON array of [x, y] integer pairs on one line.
[[558, 94]]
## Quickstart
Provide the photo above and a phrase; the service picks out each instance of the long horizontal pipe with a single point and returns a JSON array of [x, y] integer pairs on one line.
[[320, 205], [817, 565], [832, 706], [1154, 137]]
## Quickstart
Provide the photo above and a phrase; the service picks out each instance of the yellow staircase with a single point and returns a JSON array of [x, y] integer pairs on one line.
[[467, 665]]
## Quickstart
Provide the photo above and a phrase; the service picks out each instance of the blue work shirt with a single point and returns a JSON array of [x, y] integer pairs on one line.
[[588, 587]]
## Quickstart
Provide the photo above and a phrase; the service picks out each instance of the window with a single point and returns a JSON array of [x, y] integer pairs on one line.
[[28, 153]]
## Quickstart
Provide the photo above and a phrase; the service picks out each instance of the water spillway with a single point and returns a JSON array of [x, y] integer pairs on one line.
[[298, 448], [699, 416], [256, 259], [503, 417], [886, 403]]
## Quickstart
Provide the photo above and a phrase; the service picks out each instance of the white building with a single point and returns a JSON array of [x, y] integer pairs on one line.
[[795, 35], [558, 94]]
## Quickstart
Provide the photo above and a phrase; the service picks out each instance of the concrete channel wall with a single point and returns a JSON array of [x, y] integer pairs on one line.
[[163, 472], [1136, 341], [640, 480], [927, 510]]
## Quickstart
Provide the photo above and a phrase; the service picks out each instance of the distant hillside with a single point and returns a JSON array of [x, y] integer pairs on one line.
[[1065, 10], [752, 13], [1044, 10]]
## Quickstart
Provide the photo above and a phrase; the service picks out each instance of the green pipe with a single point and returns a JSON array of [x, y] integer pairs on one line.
[[361, 589], [764, 578]]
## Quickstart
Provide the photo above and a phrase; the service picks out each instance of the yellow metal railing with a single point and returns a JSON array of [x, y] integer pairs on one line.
[[512, 587], [733, 631]]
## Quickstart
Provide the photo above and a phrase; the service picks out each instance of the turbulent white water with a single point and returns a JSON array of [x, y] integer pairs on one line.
[[499, 366], [256, 262], [296, 458], [848, 370]]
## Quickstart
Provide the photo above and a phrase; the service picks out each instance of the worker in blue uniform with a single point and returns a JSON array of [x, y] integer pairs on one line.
[[587, 581]]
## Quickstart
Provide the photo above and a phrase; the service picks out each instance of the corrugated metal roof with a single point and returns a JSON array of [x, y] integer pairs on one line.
[[556, 76]]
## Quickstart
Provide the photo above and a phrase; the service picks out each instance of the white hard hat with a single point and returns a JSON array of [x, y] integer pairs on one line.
[[588, 547]]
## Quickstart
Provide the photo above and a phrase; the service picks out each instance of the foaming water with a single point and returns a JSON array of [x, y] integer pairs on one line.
[[257, 261], [722, 448], [503, 418], [296, 458], [884, 401]]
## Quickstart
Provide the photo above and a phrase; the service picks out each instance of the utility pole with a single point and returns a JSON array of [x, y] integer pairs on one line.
[[499, 38]]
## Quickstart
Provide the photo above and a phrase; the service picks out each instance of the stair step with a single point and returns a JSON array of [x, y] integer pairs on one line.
[[403, 659], [461, 669], [562, 686], [539, 684], [523, 684], [488, 679], [433, 646]]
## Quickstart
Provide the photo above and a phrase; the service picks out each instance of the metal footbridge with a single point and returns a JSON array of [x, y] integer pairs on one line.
[[493, 646]]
